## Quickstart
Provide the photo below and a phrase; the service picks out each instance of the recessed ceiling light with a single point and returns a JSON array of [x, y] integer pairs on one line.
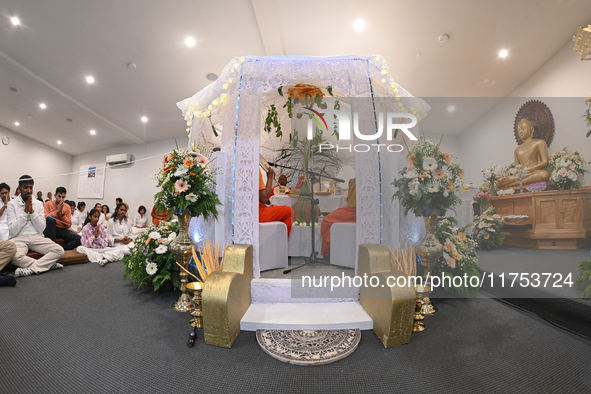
[[211, 76], [190, 42], [90, 79], [92, 132], [144, 119], [42, 106], [451, 108], [503, 53], [359, 25], [15, 21], [59, 142], [17, 124]]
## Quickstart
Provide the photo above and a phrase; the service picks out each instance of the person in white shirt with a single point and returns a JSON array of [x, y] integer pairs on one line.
[[26, 222], [103, 219], [79, 217], [4, 199], [140, 221], [119, 229]]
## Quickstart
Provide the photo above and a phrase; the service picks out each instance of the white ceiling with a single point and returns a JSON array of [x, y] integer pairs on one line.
[[60, 42]]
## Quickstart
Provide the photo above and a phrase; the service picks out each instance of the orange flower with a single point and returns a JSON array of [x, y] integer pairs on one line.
[[450, 185], [188, 162], [193, 174], [148, 241], [167, 169], [486, 236], [461, 175], [411, 159], [447, 157], [302, 90]]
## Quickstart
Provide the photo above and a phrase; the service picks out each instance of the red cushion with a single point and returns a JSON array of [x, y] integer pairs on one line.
[[37, 256]]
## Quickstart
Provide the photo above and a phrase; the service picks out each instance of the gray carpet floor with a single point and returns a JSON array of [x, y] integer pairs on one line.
[[507, 259], [84, 329]]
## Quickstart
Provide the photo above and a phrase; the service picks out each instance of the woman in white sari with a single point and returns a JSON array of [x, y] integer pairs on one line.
[[140, 221], [119, 229], [79, 217]]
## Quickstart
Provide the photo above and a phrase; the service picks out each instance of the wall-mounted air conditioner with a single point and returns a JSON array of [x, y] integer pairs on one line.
[[123, 158]]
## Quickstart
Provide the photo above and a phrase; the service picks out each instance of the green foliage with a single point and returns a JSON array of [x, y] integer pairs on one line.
[[150, 261], [584, 276], [587, 116], [433, 180], [458, 257], [272, 121]]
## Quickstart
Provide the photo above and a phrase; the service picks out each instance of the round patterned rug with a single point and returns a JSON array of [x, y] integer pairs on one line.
[[309, 347]]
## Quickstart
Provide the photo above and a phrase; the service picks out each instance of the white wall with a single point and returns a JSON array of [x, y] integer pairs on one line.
[[134, 183], [26, 156], [562, 84]]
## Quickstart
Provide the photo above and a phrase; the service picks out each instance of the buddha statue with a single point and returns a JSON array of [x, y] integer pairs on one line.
[[531, 155]]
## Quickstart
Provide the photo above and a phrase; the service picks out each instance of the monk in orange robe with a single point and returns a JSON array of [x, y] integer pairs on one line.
[[158, 217], [272, 213], [346, 214]]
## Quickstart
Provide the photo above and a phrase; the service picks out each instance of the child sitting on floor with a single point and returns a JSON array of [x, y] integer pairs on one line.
[[95, 242]]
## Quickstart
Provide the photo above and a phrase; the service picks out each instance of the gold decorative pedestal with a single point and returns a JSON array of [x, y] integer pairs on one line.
[[182, 249], [196, 288], [430, 250], [418, 325]]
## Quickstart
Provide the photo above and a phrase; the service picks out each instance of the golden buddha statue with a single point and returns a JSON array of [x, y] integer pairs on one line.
[[531, 155]]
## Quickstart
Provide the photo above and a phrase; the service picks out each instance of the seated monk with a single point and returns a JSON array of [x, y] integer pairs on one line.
[[346, 214], [272, 213], [532, 154], [158, 217], [282, 188]]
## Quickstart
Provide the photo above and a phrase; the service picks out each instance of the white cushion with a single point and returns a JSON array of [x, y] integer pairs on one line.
[[273, 246], [343, 244]]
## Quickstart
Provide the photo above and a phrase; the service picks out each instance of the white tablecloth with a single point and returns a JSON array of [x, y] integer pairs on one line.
[[326, 203], [300, 241]]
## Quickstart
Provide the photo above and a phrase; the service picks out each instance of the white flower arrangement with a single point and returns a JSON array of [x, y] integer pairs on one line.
[[566, 167], [161, 249], [154, 235], [432, 180]]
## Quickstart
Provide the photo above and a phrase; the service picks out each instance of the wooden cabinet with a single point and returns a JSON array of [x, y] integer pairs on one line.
[[559, 219]]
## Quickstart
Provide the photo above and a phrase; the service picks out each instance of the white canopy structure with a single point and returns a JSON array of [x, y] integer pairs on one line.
[[236, 104]]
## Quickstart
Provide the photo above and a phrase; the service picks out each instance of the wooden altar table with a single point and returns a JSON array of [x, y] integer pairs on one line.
[[558, 219]]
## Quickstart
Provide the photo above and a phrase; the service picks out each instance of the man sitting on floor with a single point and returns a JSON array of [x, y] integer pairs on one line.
[[272, 213], [26, 223], [7, 252], [58, 217], [346, 214]]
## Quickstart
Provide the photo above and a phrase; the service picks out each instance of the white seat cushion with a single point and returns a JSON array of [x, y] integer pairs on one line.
[[273, 245], [343, 244]]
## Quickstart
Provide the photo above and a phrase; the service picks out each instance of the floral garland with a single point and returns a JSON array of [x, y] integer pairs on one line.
[[566, 167], [458, 256], [150, 262], [186, 182], [431, 181], [487, 229]]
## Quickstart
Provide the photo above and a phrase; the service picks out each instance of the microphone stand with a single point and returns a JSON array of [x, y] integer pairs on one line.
[[313, 259]]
